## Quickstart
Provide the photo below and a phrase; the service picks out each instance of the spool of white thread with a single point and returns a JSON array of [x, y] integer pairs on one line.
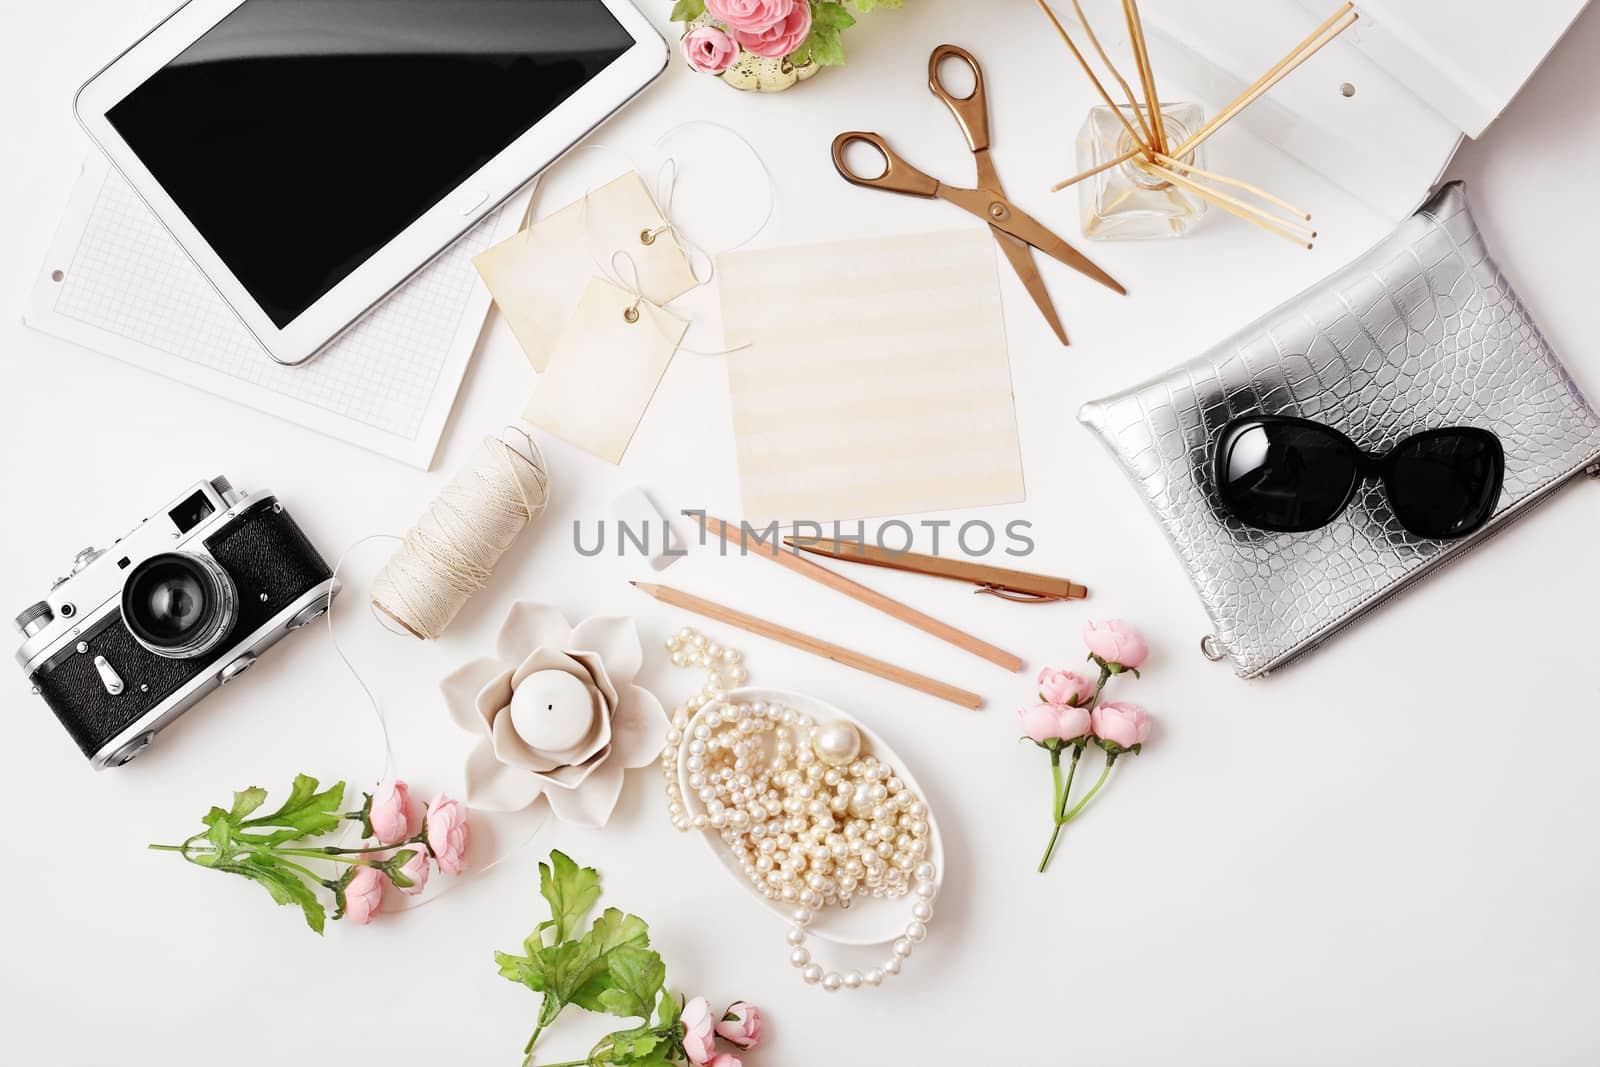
[[451, 551]]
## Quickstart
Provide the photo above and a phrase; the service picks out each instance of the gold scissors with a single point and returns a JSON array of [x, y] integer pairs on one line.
[[1014, 230]]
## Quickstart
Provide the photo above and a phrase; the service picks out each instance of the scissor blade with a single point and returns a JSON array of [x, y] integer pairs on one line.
[[1017, 251], [1034, 233], [984, 203]]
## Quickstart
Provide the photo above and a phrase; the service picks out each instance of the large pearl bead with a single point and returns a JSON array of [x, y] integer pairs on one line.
[[861, 802], [836, 743]]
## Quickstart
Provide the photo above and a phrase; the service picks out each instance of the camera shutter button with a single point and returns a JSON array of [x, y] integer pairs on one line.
[[237, 667]]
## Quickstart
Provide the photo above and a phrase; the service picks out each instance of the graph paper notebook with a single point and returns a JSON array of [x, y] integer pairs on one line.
[[116, 282]]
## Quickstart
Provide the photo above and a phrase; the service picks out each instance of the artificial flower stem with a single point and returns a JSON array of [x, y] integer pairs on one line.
[[1111, 758], [1061, 794]]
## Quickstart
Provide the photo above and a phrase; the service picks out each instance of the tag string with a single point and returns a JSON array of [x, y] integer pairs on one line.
[[619, 265]]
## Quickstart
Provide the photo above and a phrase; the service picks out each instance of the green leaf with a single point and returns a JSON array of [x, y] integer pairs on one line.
[[631, 1046], [570, 890], [220, 828], [521, 969], [307, 813], [637, 975], [247, 800], [688, 10], [611, 931], [831, 16], [392, 865], [668, 1010], [284, 885]]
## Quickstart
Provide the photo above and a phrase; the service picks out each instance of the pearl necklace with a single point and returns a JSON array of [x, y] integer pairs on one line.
[[808, 817]]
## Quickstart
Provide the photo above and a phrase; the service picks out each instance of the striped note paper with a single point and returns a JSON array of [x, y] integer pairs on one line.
[[876, 381]]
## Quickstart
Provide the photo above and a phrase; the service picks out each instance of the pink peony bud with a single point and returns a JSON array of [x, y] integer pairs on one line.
[[1124, 725], [741, 1025], [415, 870], [1064, 687], [1115, 642], [753, 16], [780, 39], [447, 833], [709, 50], [1042, 722], [364, 895], [725, 1059], [391, 812], [699, 1035]]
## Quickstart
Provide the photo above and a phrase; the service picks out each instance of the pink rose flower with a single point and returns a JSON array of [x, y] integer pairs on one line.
[[754, 16], [391, 812], [1042, 722], [725, 1059], [741, 1025], [1124, 725], [1064, 687], [709, 50], [778, 40], [415, 869], [1116, 642], [447, 833], [364, 895], [699, 1036]]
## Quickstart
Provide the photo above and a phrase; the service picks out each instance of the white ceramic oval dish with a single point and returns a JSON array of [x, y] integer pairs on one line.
[[868, 921]]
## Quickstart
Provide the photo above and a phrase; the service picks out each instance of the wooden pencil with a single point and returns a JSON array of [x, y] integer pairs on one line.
[[867, 595], [806, 643]]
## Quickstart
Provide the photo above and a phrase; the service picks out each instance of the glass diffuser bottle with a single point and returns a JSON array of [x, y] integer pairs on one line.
[[1124, 202]]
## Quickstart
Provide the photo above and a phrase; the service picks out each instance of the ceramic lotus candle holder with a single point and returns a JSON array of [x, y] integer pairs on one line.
[[557, 714]]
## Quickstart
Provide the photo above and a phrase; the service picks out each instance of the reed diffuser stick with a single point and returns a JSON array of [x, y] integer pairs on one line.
[[1234, 207], [1305, 232], [1141, 56], [1094, 42], [1280, 70], [1171, 164], [1101, 89], [1107, 165]]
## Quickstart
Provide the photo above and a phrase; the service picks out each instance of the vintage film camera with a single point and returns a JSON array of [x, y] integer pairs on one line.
[[181, 604]]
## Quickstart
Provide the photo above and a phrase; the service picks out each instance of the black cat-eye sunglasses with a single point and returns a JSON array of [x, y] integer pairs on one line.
[[1286, 474]]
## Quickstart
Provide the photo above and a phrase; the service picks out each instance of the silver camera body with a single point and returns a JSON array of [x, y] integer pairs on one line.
[[183, 603]]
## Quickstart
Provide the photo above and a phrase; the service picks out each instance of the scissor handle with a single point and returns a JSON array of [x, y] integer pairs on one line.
[[898, 176], [971, 111]]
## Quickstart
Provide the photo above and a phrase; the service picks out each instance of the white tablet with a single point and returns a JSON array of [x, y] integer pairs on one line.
[[309, 155]]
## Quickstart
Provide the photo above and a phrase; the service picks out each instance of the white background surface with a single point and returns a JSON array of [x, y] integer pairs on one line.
[[1384, 854]]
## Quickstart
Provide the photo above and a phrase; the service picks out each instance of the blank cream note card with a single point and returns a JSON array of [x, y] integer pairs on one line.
[[604, 368], [876, 381]]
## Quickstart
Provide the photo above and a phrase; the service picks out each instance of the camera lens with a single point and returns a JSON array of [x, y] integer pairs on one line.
[[178, 605]]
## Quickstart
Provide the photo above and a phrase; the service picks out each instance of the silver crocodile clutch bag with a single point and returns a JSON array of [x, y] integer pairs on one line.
[[1421, 331]]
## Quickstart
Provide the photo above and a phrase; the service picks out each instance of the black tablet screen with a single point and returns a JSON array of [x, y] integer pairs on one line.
[[300, 136]]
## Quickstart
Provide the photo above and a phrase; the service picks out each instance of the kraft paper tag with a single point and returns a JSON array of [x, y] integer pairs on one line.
[[603, 370], [537, 276]]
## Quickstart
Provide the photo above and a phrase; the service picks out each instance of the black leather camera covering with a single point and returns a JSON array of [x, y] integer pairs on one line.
[[263, 551]]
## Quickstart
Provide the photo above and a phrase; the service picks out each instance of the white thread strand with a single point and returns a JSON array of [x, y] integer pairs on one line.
[[451, 551], [606, 263]]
